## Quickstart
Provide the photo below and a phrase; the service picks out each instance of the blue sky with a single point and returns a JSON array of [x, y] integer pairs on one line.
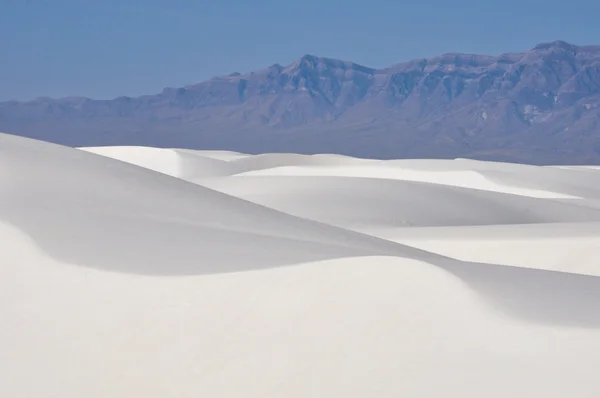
[[107, 48]]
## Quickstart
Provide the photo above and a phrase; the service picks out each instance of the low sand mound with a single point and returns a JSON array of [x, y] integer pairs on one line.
[[267, 161], [539, 182], [548, 182], [366, 203], [567, 247], [174, 162], [219, 155], [592, 168]]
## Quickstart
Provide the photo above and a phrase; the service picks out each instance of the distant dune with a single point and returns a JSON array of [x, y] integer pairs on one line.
[[144, 272]]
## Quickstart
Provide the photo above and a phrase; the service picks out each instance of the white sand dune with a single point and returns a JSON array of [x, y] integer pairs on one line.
[[174, 162], [86, 209], [372, 203], [568, 247], [210, 273], [220, 155], [533, 181], [269, 161]]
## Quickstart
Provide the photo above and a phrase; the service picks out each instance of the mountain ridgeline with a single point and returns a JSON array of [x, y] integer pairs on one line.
[[541, 107]]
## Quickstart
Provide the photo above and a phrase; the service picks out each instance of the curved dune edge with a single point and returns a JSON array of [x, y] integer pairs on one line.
[[264, 329]]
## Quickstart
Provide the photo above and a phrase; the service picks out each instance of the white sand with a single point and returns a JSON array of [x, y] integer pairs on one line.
[[119, 281], [174, 162], [368, 203], [546, 182]]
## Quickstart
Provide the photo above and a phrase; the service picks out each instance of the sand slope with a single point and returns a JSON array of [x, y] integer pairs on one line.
[[86, 209], [369, 203], [194, 276]]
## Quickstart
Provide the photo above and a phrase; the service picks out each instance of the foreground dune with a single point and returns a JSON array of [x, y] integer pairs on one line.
[[172, 273]]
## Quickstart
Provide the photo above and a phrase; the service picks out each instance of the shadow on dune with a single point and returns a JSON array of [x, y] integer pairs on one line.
[[125, 243], [533, 295], [169, 248]]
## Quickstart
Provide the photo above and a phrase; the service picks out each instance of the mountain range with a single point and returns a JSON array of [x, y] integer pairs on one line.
[[541, 106]]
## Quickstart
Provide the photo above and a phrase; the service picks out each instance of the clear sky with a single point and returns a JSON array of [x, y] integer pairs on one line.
[[107, 48]]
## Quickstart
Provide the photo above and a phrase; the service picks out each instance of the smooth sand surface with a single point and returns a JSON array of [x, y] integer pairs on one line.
[[142, 272]]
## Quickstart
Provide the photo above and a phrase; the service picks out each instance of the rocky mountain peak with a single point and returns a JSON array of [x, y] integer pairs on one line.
[[311, 63], [556, 45]]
